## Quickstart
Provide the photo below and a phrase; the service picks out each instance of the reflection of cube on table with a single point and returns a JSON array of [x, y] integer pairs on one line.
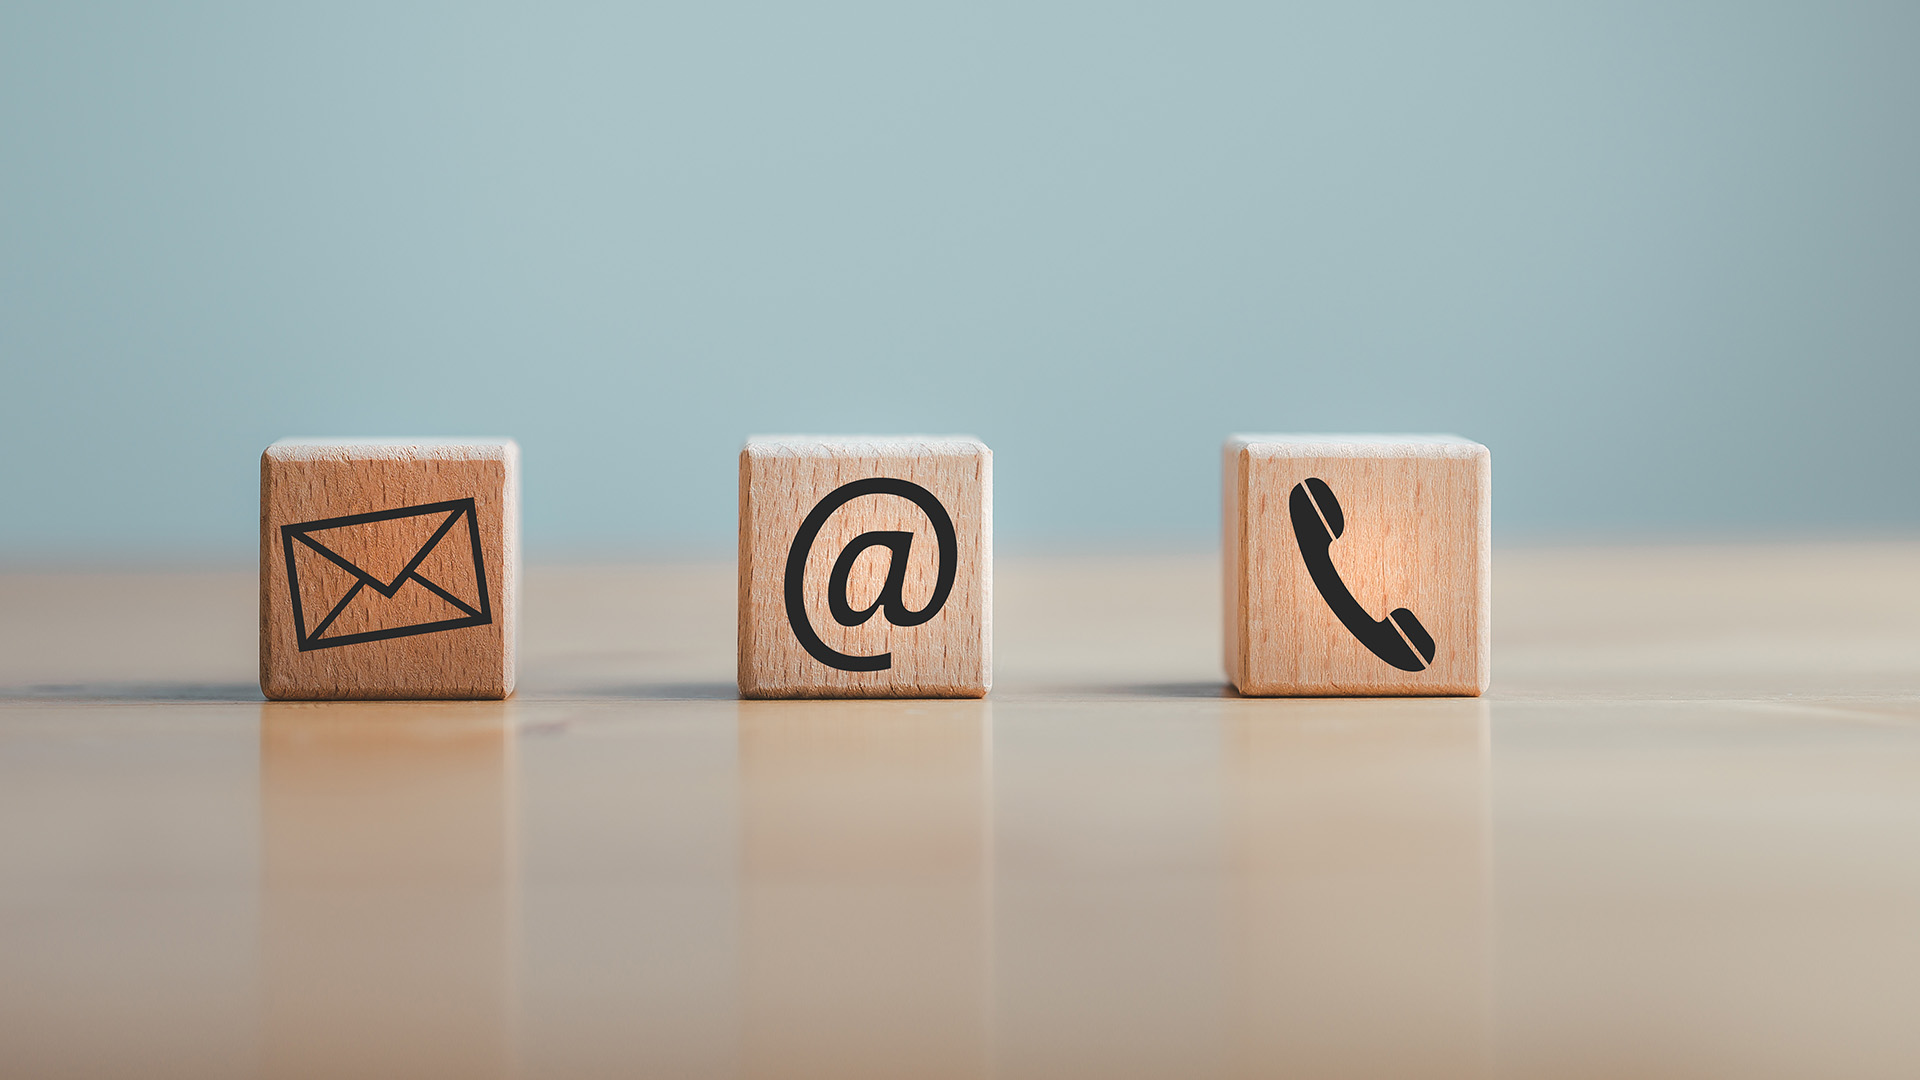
[[388, 568], [1357, 564]]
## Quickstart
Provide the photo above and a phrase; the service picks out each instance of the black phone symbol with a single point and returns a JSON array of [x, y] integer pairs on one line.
[[1317, 522]]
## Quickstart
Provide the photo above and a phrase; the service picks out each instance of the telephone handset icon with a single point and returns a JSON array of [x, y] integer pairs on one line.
[[1312, 501]]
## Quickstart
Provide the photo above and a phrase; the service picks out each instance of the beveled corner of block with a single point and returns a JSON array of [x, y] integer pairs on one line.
[[1356, 565]]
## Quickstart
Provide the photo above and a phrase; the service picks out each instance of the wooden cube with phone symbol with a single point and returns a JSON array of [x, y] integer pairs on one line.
[[389, 568], [1357, 565], [866, 567]]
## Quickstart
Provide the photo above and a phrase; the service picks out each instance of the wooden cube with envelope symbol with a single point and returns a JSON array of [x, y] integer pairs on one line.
[[866, 567], [389, 568], [1357, 564]]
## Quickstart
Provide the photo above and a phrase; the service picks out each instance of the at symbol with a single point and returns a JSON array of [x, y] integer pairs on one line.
[[890, 599]]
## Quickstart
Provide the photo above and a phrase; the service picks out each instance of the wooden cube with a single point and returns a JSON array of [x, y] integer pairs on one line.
[[1357, 564], [866, 567], [389, 568]]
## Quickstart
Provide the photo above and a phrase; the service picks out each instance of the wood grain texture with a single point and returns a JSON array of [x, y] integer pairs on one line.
[[1699, 769], [1417, 534], [782, 480], [341, 616]]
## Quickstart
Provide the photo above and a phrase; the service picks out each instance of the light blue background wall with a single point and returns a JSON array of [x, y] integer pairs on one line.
[[1664, 258]]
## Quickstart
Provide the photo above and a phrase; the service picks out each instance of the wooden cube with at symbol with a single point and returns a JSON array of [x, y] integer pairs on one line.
[[389, 568], [1357, 564], [866, 567]]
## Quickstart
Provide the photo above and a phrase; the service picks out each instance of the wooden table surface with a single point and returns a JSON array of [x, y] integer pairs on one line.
[[1681, 837]]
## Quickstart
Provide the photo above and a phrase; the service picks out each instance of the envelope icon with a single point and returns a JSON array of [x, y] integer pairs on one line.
[[388, 574]]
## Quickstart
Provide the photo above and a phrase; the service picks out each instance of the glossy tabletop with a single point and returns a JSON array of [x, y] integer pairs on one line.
[[1681, 837]]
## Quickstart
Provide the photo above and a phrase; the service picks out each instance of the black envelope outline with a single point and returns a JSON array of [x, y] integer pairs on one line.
[[455, 509]]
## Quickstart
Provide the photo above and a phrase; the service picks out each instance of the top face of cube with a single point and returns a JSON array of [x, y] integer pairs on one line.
[[387, 568], [1357, 564], [865, 566], [392, 449], [1341, 445]]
